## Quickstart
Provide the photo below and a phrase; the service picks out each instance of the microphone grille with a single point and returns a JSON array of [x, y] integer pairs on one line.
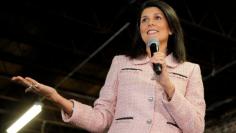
[[152, 41]]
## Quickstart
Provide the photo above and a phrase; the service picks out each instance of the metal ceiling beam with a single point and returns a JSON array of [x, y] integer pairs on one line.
[[26, 62], [199, 24], [90, 56], [211, 31], [215, 72]]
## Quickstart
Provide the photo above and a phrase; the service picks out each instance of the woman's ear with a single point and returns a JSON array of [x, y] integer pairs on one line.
[[170, 33]]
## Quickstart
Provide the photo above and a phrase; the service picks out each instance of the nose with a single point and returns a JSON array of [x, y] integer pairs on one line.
[[151, 22]]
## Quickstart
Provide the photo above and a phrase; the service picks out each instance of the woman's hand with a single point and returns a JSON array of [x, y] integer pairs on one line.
[[159, 57], [47, 91], [33, 86]]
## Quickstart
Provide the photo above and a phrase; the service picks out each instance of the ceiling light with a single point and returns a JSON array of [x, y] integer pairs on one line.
[[25, 118]]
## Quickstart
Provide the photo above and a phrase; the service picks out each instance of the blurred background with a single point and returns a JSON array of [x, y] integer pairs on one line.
[[69, 45]]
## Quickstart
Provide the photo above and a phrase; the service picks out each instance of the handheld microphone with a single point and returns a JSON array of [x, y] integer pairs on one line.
[[154, 47]]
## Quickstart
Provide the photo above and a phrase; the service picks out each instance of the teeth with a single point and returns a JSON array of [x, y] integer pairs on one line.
[[151, 31]]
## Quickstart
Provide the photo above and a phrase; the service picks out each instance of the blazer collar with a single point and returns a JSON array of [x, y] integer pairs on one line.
[[170, 61], [140, 61]]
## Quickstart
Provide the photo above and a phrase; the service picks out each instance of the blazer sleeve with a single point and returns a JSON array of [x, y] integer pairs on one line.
[[189, 111], [99, 117]]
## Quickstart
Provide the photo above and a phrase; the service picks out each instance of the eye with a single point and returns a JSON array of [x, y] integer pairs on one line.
[[143, 20], [158, 17]]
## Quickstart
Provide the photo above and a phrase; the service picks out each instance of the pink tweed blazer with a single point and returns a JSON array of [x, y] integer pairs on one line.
[[132, 101]]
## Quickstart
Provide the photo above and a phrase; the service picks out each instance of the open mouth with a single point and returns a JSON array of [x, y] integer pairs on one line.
[[151, 32]]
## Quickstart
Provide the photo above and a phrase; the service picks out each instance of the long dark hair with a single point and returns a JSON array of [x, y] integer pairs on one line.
[[175, 41]]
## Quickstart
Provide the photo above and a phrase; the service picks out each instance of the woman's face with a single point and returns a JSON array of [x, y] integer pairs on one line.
[[153, 24]]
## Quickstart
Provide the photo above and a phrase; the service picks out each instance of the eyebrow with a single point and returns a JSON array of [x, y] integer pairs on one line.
[[154, 14]]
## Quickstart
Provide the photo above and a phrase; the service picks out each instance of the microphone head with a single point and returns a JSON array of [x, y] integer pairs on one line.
[[153, 41]]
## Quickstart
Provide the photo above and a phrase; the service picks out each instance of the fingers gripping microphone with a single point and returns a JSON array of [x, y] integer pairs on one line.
[[154, 47]]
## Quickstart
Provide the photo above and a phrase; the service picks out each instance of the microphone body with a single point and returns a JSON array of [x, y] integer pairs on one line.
[[154, 47]]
